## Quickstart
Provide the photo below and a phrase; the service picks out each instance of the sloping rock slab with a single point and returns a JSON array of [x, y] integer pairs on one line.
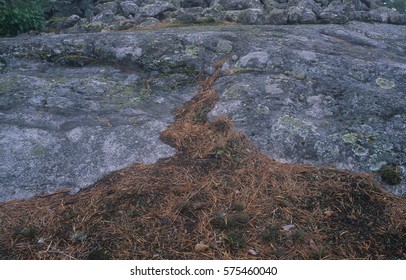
[[75, 107], [321, 95], [64, 127], [71, 110]]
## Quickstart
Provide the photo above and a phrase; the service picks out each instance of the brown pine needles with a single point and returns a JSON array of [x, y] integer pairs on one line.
[[218, 190]]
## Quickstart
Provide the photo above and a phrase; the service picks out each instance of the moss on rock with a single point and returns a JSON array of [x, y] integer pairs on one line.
[[390, 175]]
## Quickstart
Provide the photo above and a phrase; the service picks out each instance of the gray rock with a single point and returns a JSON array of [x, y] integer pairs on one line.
[[104, 17], [128, 8], [397, 18], [149, 22], [358, 5], [193, 3], [381, 14], [84, 26], [269, 5], [189, 15], [71, 21], [360, 16], [231, 15], [241, 11], [87, 6], [239, 4], [323, 3], [303, 11], [295, 14], [251, 16], [277, 16], [310, 5], [336, 12], [154, 10], [372, 4], [138, 2], [214, 12], [308, 17], [125, 24], [72, 125], [63, 9], [319, 105], [107, 6], [74, 107]]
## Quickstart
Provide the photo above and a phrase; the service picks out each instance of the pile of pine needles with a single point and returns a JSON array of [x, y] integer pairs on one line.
[[217, 198]]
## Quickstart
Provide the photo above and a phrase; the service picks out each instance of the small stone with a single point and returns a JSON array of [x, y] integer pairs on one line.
[[288, 227], [41, 240], [328, 213], [79, 236], [200, 247], [253, 252]]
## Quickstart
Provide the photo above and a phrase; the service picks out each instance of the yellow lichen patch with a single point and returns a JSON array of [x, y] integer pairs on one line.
[[385, 83]]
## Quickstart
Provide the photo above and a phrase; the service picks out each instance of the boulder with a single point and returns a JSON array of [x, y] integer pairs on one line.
[[396, 18], [308, 17], [239, 4], [372, 4], [128, 8], [193, 3], [155, 10], [336, 12], [104, 17], [381, 14], [251, 16], [149, 22], [269, 5], [277, 16], [189, 15], [294, 14], [71, 21], [303, 11], [107, 6]]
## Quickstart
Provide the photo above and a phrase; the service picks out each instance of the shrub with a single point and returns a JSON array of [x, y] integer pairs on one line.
[[390, 175], [17, 16]]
